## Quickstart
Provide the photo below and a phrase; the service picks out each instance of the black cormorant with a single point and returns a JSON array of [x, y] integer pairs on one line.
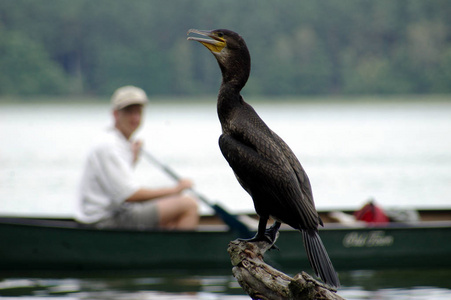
[[263, 163]]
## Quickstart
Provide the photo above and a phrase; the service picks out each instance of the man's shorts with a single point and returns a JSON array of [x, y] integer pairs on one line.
[[137, 216]]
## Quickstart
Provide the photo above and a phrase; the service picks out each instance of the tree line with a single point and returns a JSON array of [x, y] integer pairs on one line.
[[85, 47]]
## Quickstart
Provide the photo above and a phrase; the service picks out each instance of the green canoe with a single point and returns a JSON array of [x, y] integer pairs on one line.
[[45, 244]]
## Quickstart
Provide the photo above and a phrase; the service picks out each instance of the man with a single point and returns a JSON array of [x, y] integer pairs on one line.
[[110, 198]]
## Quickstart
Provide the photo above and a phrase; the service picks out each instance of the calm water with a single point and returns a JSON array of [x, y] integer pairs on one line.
[[381, 285], [398, 153]]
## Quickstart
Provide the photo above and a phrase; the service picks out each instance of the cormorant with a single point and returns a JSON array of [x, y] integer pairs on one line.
[[262, 162]]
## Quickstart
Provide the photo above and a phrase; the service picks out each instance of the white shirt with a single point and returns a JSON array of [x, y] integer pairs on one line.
[[107, 180]]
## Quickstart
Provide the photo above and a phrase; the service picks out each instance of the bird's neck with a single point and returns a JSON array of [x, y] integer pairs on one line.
[[235, 79], [235, 73], [229, 99]]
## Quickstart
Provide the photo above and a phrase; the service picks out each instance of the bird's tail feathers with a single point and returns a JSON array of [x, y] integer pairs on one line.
[[319, 259]]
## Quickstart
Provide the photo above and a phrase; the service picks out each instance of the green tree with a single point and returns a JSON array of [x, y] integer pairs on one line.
[[297, 47], [29, 68]]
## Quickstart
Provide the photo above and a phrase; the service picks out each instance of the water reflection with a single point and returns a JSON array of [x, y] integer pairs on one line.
[[413, 284], [167, 287]]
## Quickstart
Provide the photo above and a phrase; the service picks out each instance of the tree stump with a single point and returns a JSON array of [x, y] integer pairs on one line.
[[261, 281]]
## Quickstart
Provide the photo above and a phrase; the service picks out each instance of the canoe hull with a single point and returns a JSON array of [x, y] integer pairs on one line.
[[40, 246]]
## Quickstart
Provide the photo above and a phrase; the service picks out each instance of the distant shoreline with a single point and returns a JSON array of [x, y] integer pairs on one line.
[[70, 99]]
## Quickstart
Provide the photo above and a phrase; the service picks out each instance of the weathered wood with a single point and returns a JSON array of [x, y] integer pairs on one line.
[[261, 281]]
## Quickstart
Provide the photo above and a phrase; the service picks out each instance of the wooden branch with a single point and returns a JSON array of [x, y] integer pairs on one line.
[[261, 281]]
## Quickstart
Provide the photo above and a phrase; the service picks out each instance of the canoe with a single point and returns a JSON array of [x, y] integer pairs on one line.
[[62, 244]]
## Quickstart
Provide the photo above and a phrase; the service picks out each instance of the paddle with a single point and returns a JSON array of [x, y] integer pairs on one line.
[[229, 219]]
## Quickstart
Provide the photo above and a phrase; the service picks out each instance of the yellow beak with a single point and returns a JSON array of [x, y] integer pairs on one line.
[[215, 44]]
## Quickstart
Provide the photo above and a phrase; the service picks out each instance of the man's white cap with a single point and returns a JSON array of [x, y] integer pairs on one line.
[[128, 95]]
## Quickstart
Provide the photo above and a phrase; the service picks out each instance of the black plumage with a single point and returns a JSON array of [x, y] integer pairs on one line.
[[263, 163]]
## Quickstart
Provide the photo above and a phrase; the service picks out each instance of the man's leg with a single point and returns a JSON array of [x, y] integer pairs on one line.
[[178, 212]]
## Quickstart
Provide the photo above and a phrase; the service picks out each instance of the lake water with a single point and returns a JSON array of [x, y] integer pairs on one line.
[[377, 285], [399, 153]]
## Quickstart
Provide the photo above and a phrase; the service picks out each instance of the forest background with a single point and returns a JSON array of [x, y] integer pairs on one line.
[[89, 48]]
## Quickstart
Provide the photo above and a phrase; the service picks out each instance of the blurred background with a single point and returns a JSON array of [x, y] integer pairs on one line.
[[89, 48], [360, 90]]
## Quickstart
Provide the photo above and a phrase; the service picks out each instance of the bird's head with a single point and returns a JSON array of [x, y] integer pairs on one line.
[[230, 51]]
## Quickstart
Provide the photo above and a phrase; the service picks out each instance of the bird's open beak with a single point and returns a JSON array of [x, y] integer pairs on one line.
[[215, 44]]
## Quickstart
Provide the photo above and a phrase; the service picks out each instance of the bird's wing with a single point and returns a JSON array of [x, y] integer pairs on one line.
[[260, 162], [303, 179], [301, 175]]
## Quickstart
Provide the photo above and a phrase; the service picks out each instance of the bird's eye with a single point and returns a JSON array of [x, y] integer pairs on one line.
[[220, 34]]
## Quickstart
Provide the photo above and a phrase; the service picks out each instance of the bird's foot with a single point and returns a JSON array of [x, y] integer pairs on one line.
[[271, 234], [264, 238], [269, 237]]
